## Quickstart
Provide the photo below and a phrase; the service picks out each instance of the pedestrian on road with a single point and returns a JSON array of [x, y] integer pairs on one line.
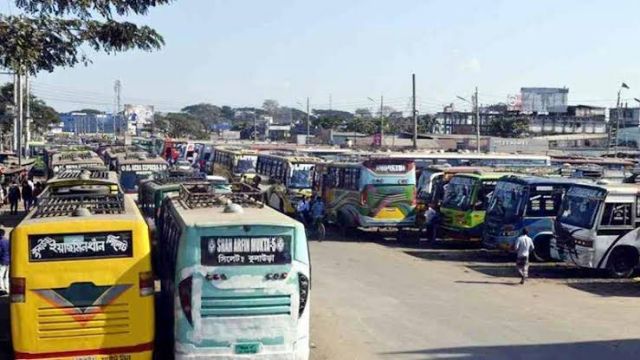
[[27, 195], [5, 259], [524, 245], [14, 197], [37, 190], [431, 222]]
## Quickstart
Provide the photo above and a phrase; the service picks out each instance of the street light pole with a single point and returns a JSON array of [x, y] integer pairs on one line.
[[307, 139], [381, 122], [475, 97]]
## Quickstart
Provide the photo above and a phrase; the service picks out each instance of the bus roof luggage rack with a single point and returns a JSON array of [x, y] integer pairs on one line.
[[69, 205], [179, 178], [201, 195], [84, 174], [76, 155]]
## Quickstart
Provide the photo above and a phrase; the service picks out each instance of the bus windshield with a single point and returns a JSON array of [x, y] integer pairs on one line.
[[580, 206], [508, 200], [301, 176], [458, 192], [246, 163]]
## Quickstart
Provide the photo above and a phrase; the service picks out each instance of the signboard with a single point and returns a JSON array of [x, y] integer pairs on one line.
[[390, 168], [143, 167], [245, 250], [57, 247], [138, 118]]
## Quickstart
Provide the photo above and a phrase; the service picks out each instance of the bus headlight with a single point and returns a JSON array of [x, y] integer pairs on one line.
[[184, 291], [303, 285]]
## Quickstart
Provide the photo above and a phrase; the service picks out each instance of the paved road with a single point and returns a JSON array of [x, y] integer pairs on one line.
[[376, 301]]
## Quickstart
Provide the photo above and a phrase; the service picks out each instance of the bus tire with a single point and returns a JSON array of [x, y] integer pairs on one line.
[[343, 225], [542, 251], [622, 262]]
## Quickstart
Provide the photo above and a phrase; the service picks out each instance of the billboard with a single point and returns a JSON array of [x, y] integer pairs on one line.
[[139, 118]]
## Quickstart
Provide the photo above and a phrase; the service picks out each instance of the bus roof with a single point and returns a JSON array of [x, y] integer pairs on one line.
[[615, 189], [209, 209], [541, 180], [452, 155], [77, 176], [485, 175], [294, 158]]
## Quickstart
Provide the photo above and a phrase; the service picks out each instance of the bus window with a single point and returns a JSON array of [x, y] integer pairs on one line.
[[616, 214]]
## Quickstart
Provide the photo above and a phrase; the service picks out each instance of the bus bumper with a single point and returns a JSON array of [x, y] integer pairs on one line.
[[368, 222], [466, 234], [503, 243], [300, 351]]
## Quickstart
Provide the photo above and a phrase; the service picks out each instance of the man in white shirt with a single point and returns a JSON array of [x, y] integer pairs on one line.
[[523, 246], [430, 217]]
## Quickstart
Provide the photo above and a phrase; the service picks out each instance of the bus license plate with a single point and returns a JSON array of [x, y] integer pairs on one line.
[[247, 348]]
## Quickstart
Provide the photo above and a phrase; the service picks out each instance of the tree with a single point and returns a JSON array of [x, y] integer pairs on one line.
[[180, 125], [362, 125], [363, 113], [510, 126], [227, 112], [42, 114], [327, 122], [207, 114], [53, 33], [271, 107]]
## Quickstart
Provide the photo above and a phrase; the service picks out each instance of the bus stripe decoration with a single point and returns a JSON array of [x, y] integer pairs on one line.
[[82, 308]]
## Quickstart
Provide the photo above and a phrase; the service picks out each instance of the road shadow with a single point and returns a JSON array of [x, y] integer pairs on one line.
[[5, 330], [539, 270], [613, 349], [508, 283], [441, 253], [609, 288]]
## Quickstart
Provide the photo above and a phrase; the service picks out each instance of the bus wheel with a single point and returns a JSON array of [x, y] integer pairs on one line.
[[542, 251], [343, 225], [622, 262]]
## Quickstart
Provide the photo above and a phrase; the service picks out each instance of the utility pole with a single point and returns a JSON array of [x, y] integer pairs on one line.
[[618, 117], [307, 139], [477, 111], [255, 128], [27, 125], [14, 145], [117, 88], [20, 117], [415, 113], [381, 122]]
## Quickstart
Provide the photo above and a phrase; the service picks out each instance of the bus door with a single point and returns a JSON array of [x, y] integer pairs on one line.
[[251, 296]]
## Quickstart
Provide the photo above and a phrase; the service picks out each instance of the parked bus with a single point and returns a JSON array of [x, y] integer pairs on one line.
[[111, 154], [598, 227], [287, 179], [68, 160], [81, 280], [234, 163], [520, 202], [236, 278], [378, 192], [424, 160], [134, 167], [465, 201]]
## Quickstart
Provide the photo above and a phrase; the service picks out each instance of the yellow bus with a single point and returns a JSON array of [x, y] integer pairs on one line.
[[81, 282], [287, 179], [234, 163], [69, 160]]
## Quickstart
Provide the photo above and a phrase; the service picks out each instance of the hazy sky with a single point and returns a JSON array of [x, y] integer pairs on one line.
[[240, 52]]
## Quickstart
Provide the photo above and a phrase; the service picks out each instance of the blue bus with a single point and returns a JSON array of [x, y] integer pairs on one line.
[[519, 202], [235, 278]]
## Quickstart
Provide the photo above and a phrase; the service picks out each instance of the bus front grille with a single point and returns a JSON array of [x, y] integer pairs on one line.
[[227, 306], [75, 322]]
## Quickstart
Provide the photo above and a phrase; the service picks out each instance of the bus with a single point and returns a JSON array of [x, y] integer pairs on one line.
[[236, 277], [286, 178], [423, 159], [520, 202], [598, 227], [111, 154], [464, 204], [67, 160], [81, 279], [234, 163], [134, 167], [379, 192]]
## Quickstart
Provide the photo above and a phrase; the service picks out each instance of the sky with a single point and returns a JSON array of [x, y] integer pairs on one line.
[[340, 53]]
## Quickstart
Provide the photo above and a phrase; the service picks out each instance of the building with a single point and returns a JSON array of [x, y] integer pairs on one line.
[[88, 123], [543, 100], [576, 119], [630, 117]]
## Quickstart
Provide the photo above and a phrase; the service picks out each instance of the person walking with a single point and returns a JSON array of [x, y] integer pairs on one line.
[[14, 197], [5, 259], [523, 246], [431, 222], [27, 195]]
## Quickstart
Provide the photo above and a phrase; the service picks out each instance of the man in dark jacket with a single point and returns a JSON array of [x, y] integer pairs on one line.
[[14, 198]]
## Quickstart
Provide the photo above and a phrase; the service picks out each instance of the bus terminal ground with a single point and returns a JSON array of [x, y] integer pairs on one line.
[[375, 297]]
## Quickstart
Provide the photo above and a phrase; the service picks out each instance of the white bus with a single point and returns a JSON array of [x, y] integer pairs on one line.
[[425, 159], [598, 227]]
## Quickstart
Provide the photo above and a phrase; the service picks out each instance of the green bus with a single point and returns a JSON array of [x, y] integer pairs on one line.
[[465, 201]]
